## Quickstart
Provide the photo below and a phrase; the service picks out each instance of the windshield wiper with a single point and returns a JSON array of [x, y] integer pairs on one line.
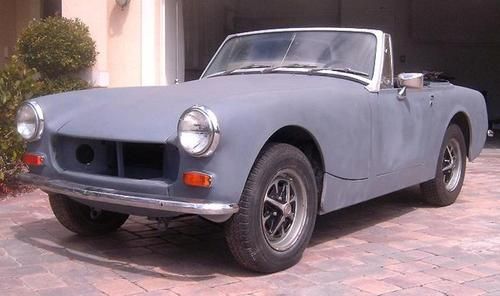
[[290, 66], [268, 69], [248, 67], [343, 70]]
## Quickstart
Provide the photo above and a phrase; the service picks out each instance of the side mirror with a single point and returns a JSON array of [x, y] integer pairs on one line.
[[409, 80]]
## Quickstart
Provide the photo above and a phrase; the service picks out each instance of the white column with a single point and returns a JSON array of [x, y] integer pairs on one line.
[[174, 41]]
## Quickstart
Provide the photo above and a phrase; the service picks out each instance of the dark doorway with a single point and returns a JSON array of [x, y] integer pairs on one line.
[[457, 37], [208, 22], [51, 8]]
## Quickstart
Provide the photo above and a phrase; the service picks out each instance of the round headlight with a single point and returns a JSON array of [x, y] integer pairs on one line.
[[30, 121], [198, 131]]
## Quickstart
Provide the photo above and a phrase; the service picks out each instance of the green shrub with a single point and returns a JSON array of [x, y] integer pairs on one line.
[[57, 46], [50, 52], [17, 83], [62, 84]]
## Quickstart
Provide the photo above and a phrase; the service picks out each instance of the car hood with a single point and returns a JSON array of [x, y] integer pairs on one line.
[[150, 114]]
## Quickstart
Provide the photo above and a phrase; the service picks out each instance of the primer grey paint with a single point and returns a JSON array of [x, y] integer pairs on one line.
[[371, 142]]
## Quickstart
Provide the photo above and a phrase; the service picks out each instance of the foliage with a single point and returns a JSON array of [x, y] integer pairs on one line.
[[50, 53], [62, 84], [57, 46], [17, 83]]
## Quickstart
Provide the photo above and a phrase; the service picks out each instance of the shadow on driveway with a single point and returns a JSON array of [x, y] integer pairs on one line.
[[192, 249]]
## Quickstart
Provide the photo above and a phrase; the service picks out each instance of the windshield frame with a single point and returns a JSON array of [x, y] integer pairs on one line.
[[372, 85]]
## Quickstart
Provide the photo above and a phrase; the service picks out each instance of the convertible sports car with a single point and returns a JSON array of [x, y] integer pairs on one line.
[[282, 126]]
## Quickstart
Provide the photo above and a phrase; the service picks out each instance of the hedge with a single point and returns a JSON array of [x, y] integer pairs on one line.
[[49, 55], [17, 83], [57, 46]]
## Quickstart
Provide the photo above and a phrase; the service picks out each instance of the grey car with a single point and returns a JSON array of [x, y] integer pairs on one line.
[[283, 125]]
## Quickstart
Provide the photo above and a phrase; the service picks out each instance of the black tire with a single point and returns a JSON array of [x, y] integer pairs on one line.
[[81, 219], [438, 191], [247, 235]]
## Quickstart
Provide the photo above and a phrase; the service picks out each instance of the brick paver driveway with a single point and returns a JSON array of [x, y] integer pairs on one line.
[[394, 245]]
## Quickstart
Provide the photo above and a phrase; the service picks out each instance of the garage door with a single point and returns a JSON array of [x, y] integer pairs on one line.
[[459, 37]]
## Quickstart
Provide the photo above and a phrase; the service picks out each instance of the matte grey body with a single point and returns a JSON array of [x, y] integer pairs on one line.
[[371, 142]]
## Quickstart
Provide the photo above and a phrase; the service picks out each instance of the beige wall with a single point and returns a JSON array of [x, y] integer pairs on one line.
[[8, 29], [94, 14], [130, 46], [117, 33], [26, 10], [124, 44], [14, 16]]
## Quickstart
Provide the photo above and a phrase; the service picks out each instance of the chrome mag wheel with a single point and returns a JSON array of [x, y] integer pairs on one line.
[[278, 209], [452, 165], [284, 210]]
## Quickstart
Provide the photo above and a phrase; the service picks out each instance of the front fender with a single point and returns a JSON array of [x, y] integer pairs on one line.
[[338, 119]]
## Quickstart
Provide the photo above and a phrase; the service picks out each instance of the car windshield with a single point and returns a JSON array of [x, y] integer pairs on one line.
[[347, 52]]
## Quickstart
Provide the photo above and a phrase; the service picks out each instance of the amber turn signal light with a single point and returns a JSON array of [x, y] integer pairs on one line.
[[32, 159], [197, 179]]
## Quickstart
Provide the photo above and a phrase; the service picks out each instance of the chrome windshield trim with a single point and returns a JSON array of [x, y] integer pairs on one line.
[[312, 29], [129, 199], [353, 76], [373, 85], [302, 71], [236, 71]]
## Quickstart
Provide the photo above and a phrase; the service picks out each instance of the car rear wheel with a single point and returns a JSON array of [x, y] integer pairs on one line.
[[444, 189], [83, 219], [277, 213]]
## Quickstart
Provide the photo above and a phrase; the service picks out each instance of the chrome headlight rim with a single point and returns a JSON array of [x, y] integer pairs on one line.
[[213, 127], [39, 123]]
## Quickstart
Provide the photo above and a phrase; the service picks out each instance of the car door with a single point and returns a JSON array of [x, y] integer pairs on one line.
[[399, 126], [400, 129]]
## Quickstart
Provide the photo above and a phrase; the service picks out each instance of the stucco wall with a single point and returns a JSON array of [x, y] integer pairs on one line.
[[130, 54], [94, 14], [8, 31], [26, 10], [124, 43], [14, 16]]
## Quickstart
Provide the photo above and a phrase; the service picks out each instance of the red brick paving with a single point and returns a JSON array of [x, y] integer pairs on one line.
[[394, 245]]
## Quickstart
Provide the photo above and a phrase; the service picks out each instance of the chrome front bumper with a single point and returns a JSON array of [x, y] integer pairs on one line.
[[136, 200]]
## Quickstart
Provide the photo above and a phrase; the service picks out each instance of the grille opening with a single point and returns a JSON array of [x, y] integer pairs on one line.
[[111, 161], [143, 161], [85, 154]]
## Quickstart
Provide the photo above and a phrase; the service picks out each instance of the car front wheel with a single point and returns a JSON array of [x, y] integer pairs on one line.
[[444, 189], [83, 219], [277, 213]]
